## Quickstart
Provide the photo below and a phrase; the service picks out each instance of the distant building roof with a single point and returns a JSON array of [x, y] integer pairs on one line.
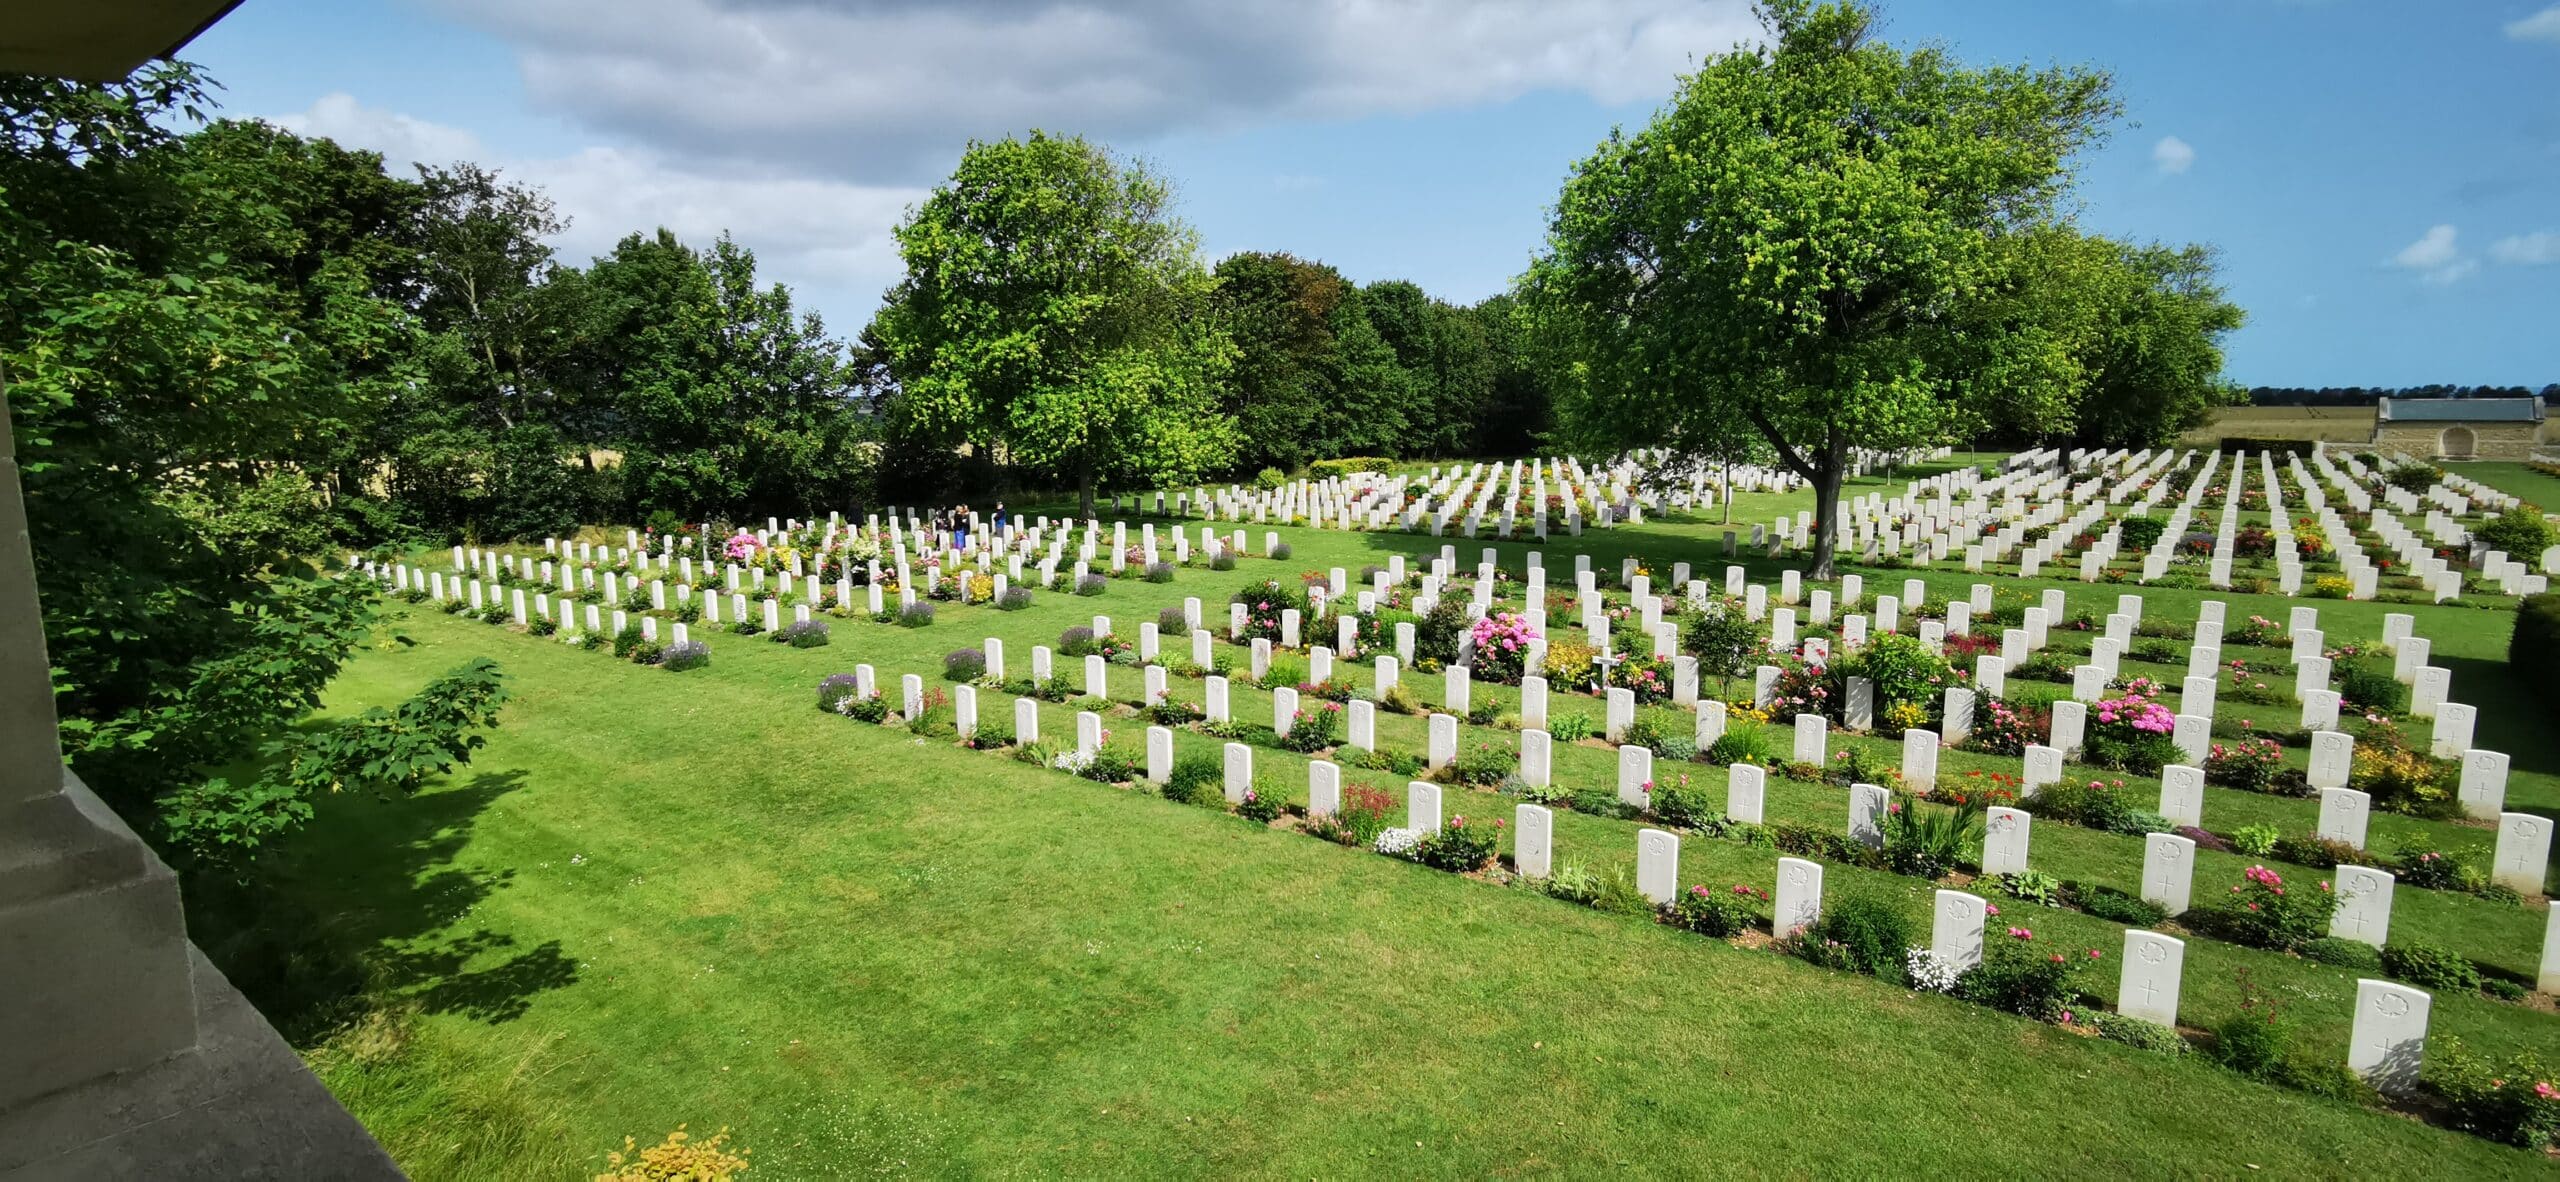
[[2459, 410]]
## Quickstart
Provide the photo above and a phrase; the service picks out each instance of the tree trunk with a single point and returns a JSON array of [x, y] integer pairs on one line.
[[1728, 490], [1828, 469], [1084, 488]]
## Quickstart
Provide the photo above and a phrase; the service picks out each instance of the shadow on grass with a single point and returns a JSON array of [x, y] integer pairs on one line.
[[366, 908]]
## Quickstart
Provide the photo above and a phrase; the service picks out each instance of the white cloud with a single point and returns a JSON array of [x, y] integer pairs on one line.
[[2541, 246], [2173, 155], [2541, 26], [813, 234], [2436, 257], [888, 90]]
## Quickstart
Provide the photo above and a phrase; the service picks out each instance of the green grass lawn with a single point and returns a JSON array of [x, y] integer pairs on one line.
[[692, 897], [662, 898], [2516, 480]]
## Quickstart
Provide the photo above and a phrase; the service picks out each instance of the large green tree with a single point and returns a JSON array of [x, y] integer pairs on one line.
[[194, 327], [2155, 363], [1054, 308], [1797, 241], [724, 399], [1312, 377]]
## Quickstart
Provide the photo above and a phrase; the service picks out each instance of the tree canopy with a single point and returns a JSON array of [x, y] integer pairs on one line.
[[1801, 242], [1056, 309]]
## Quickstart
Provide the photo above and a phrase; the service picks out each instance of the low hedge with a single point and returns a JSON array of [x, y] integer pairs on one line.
[[2282, 447]]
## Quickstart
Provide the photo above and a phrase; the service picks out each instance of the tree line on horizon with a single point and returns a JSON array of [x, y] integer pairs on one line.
[[2369, 395]]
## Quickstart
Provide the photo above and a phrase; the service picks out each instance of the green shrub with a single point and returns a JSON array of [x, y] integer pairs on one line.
[[2520, 532], [1193, 775], [1614, 892], [1929, 840], [2369, 684], [1312, 730], [2430, 966], [2257, 841], [1862, 933], [1744, 743], [1570, 728], [2108, 903], [1600, 802], [2341, 953], [1902, 668], [1262, 804], [2263, 912], [2138, 533], [1482, 764], [2140, 1034], [2515, 1103], [2032, 886], [1686, 805], [2252, 1041], [1460, 846], [1718, 913]]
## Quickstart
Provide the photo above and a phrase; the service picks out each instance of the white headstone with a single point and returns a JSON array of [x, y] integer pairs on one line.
[[1812, 739], [2004, 841], [2389, 1040], [2168, 871], [1657, 865], [1237, 771], [2523, 852], [1955, 934], [1798, 902], [1422, 806], [2344, 813], [2333, 757], [1324, 788], [2484, 783], [1443, 741], [2363, 905], [2147, 985], [1533, 841], [1746, 788], [1867, 805], [2182, 794]]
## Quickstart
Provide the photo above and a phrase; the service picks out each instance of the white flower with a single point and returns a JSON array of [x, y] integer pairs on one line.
[[1398, 842], [1931, 972], [1073, 762]]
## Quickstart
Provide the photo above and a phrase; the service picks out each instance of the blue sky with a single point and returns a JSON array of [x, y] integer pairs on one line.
[[2382, 179]]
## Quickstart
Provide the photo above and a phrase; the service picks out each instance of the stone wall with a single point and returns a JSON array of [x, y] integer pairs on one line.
[[2489, 441]]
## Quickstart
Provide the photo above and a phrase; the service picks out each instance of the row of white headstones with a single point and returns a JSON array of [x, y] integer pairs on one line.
[[2481, 792], [2074, 494], [1469, 500], [2343, 811], [2390, 1019], [2522, 846]]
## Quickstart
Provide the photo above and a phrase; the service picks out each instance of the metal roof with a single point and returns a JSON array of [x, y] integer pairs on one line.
[[2459, 410]]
